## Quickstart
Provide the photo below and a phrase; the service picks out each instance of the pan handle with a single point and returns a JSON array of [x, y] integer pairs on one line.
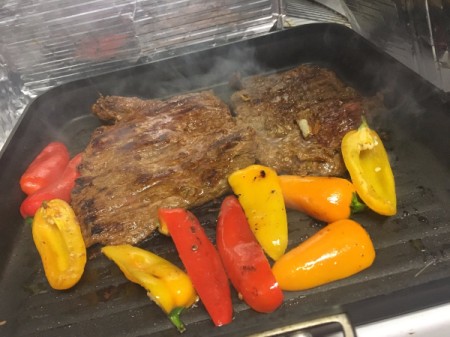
[[341, 319]]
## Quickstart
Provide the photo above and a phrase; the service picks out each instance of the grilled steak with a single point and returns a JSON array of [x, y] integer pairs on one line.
[[310, 98], [179, 152], [116, 108], [173, 153]]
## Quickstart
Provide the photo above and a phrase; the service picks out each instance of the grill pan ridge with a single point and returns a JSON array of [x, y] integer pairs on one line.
[[412, 268]]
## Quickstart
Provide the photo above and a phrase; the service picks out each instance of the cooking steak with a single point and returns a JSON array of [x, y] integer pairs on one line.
[[300, 117], [173, 153], [179, 152]]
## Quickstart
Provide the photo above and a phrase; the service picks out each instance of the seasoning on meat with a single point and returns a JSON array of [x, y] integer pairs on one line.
[[300, 117], [173, 153]]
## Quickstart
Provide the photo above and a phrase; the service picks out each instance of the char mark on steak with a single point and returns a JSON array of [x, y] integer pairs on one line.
[[300, 117], [173, 153]]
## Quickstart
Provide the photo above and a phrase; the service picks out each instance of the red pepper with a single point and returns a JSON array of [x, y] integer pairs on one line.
[[60, 188], [49, 164], [244, 260], [202, 262]]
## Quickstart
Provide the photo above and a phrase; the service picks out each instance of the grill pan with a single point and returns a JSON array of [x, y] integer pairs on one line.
[[412, 267]]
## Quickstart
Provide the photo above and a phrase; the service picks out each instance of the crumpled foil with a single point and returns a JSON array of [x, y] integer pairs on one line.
[[416, 33], [46, 43]]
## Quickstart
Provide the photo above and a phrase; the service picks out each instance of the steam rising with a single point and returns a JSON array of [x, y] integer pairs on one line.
[[44, 46]]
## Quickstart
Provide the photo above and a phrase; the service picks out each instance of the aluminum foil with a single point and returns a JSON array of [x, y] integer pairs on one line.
[[44, 43], [416, 33], [304, 12]]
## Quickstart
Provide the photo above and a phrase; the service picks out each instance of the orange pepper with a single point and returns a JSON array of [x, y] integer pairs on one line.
[[337, 251], [324, 198]]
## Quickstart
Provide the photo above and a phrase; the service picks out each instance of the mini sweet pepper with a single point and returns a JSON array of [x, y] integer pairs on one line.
[[244, 260], [258, 190], [48, 165], [324, 198], [58, 239], [60, 188], [368, 164], [201, 260], [166, 284], [339, 250]]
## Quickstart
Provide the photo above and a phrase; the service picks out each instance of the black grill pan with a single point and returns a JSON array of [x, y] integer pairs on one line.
[[412, 268]]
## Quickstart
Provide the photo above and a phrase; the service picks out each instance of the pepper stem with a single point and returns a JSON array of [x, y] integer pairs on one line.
[[174, 317], [29, 220], [356, 206], [363, 122]]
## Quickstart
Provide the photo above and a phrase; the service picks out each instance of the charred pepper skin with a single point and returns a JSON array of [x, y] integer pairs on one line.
[[202, 262], [339, 250], [45, 168], [60, 188], [166, 284], [258, 190], [244, 260], [58, 239], [368, 164], [326, 199]]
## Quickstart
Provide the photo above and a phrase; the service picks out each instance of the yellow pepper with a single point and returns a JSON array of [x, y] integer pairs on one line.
[[166, 284], [259, 193], [337, 251], [368, 164], [58, 239]]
